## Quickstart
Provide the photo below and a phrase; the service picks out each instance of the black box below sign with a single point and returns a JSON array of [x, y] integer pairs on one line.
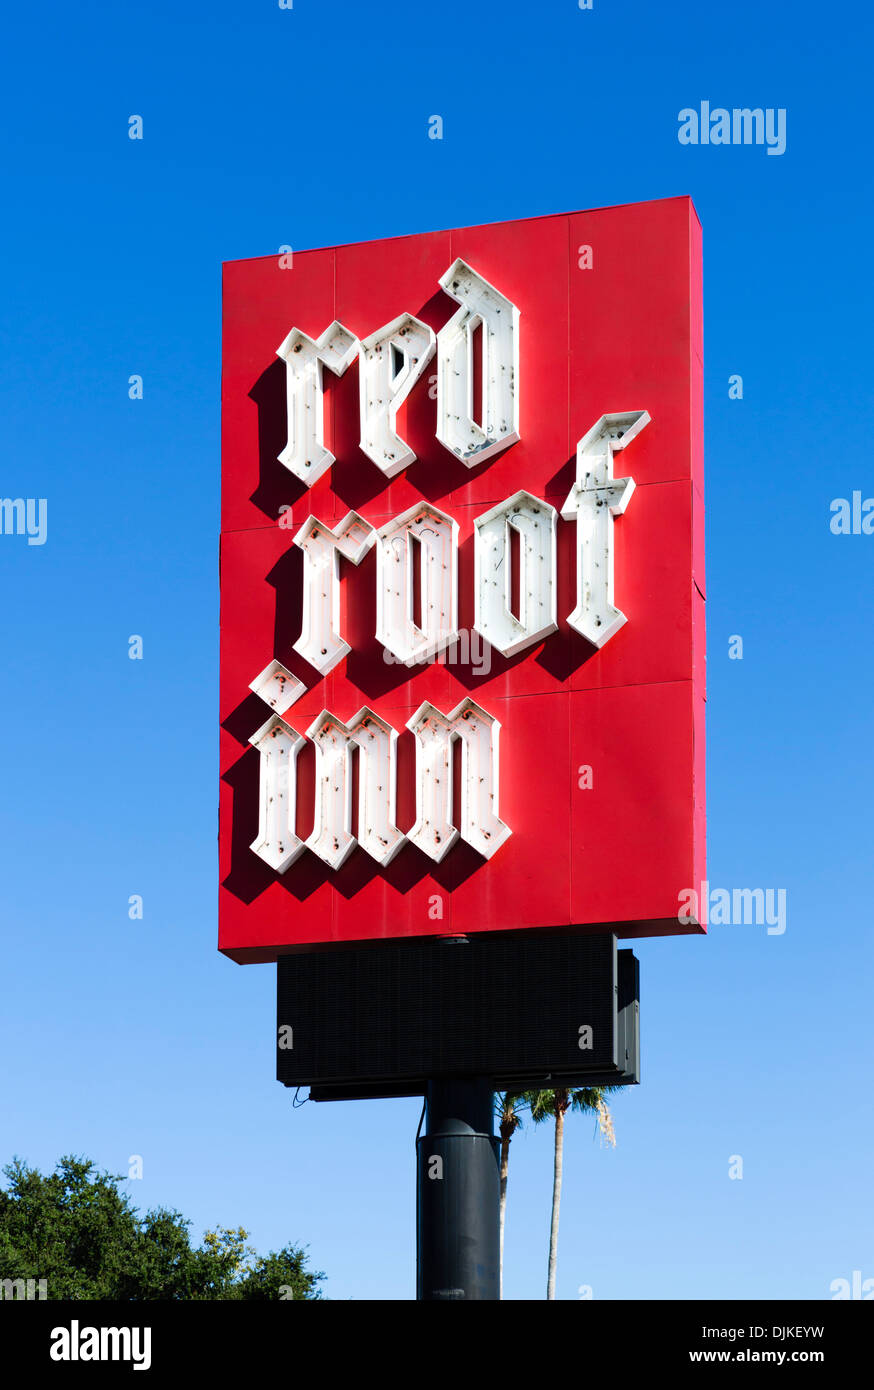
[[525, 1009]]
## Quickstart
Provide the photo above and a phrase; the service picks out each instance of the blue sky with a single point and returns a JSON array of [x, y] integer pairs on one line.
[[308, 127]]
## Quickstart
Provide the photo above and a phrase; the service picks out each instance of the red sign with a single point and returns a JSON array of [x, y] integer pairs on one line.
[[462, 563]]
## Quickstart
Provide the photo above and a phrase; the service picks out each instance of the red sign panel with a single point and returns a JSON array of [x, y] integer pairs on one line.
[[462, 563]]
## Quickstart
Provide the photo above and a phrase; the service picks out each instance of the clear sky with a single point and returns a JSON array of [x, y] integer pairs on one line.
[[308, 127]]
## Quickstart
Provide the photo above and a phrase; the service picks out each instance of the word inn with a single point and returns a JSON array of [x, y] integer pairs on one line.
[[378, 835], [417, 578]]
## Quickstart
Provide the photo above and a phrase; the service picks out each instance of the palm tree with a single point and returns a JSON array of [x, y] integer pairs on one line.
[[556, 1104], [507, 1107]]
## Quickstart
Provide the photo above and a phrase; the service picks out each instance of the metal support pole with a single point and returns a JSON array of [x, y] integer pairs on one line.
[[458, 1194]]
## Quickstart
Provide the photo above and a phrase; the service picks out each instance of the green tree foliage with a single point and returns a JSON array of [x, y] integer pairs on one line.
[[76, 1230]]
